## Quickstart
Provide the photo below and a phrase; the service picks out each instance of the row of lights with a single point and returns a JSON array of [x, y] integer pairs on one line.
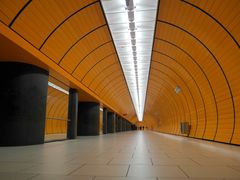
[[132, 28], [132, 24]]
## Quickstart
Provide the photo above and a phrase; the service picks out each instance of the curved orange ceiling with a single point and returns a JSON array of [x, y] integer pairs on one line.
[[75, 36], [196, 47]]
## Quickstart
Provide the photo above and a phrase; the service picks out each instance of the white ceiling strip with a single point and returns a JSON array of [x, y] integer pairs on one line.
[[132, 25], [57, 87]]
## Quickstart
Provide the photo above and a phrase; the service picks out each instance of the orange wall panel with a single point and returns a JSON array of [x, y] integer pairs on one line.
[[57, 112]]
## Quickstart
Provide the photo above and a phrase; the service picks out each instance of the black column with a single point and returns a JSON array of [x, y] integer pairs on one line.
[[123, 125], [120, 124], [105, 113], [88, 119], [111, 122], [133, 127], [117, 121], [23, 97], [128, 126], [72, 114]]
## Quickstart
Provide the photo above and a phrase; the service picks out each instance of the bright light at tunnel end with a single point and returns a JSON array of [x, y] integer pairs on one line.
[[132, 25]]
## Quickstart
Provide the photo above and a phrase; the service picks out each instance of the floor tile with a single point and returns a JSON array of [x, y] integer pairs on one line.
[[184, 155], [99, 161], [172, 161], [60, 177], [149, 155], [211, 161], [235, 167], [62, 169], [233, 162], [54, 137], [191, 179], [14, 166], [158, 155], [16, 176], [123, 178], [155, 171], [211, 172], [78, 161], [116, 155], [121, 161], [123, 155], [102, 170], [140, 161]]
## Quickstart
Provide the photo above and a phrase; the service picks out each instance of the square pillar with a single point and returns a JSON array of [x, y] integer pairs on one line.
[[88, 119]]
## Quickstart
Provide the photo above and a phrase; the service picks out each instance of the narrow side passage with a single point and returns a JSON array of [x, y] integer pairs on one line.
[[123, 156]]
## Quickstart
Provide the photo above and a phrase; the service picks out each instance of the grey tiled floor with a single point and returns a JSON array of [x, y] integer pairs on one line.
[[123, 156]]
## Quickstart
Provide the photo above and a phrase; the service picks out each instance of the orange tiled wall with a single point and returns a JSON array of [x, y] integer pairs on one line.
[[57, 112]]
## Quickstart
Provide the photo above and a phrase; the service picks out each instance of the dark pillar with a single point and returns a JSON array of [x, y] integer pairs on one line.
[[88, 119], [133, 127], [72, 114], [120, 124], [23, 97], [129, 126], [116, 123], [105, 113], [123, 125], [111, 122]]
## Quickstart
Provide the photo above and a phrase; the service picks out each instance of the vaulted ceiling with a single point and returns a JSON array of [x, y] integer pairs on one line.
[[196, 47], [75, 36]]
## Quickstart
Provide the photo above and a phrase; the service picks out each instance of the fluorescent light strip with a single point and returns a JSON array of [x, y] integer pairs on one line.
[[57, 87], [132, 25]]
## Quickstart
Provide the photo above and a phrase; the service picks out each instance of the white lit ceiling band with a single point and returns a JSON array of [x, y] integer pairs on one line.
[[132, 25], [57, 87]]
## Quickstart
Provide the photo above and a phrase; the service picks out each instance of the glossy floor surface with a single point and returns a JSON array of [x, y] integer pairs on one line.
[[122, 156]]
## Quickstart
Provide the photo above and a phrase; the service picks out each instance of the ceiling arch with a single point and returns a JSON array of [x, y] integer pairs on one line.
[[194, 40], [95, 66], [198, 68], [108, 72], [181, 104], [106, 47], [170, 110], [172, 83], [101, 86], [181, 75], [85, 36], [214, 19], [169, 98], [210, 52], [75, 36], [115, 82]]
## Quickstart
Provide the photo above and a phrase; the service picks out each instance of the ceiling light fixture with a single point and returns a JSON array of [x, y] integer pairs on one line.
[[57, 87], [178, 89], [132, 24]]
